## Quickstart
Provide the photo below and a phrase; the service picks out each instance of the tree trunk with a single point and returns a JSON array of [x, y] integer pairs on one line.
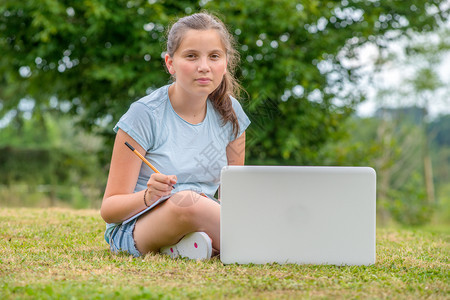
[[429, 184]]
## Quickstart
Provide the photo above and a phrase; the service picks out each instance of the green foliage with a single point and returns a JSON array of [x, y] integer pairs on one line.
[[358, 145], [439, 129], [393, 146], [408, 204], [442, 214], [98, 56], [46, 162]]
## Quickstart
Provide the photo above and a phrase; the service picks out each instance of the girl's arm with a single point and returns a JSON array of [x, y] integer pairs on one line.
[[119, 201], [236, 151]]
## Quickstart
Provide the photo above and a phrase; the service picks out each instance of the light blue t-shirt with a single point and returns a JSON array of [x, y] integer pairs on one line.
[[195, 153]]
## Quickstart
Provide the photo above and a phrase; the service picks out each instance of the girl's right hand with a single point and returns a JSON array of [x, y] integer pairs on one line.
[[159, 185]]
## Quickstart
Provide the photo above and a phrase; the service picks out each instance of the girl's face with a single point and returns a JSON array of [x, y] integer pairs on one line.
[[199, 63]]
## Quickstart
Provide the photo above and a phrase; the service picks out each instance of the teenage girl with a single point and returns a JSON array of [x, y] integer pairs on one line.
[[188, 131]]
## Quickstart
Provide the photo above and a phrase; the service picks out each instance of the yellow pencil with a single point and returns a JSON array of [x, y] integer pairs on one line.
[[142, 158]]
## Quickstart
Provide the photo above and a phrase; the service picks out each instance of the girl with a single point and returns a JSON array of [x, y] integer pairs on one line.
[[188, 130]]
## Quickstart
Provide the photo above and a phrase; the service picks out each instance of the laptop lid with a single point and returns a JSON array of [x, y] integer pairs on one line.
[[303, 215]]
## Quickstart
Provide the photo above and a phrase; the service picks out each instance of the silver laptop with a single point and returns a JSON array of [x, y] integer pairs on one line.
[[301, 215]]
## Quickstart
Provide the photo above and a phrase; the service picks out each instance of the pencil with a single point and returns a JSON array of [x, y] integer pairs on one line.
[[142, 158]]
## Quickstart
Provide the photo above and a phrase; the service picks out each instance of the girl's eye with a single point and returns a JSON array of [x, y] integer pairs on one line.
[[215, 56], [191, 56]]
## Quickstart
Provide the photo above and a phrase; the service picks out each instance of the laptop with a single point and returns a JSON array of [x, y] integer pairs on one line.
[[298, 215]]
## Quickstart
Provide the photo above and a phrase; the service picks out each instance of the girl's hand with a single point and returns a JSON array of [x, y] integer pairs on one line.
[[159, 185]]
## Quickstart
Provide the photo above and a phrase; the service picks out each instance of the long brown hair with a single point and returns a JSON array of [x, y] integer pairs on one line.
[[229, 86]]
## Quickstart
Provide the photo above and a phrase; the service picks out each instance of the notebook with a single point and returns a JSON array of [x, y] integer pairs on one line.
[[301, 215]]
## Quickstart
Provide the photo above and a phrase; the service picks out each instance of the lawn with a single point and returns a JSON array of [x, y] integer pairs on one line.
[[61, 254]]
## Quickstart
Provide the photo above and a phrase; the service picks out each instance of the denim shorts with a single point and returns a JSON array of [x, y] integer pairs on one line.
[[121, 239]]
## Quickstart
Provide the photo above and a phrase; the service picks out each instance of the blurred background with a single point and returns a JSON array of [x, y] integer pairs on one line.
[[342, 83]]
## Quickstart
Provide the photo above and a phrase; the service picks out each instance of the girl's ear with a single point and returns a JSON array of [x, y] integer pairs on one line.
[[169, 64]]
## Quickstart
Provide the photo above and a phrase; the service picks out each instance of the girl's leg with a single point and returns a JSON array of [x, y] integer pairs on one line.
[[184, 212]]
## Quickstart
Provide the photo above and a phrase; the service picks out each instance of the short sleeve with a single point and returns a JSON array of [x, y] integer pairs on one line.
[[243, 120], [137, 122]]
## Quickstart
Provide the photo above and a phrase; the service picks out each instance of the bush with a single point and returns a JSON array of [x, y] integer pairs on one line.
[[409, 205]]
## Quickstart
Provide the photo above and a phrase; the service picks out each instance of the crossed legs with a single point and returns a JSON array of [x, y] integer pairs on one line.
[[183, 213]]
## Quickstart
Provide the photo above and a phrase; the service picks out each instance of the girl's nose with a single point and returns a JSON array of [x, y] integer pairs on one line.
[[203, 65]]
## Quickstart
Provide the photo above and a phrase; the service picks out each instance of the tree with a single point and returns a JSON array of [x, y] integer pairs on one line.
[[440, 154], [95, 57], [420, 87], [392, 143], [426, 84]]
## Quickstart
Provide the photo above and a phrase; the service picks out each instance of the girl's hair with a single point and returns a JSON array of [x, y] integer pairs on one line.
[[229, 86]]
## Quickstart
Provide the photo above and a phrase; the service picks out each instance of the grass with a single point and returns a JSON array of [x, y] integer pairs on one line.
[[60, 253]]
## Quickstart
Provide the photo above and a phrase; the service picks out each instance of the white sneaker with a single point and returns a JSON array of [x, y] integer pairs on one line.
[[195, 245]]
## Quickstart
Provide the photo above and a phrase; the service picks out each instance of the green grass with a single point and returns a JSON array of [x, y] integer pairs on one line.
[[61, 254]]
